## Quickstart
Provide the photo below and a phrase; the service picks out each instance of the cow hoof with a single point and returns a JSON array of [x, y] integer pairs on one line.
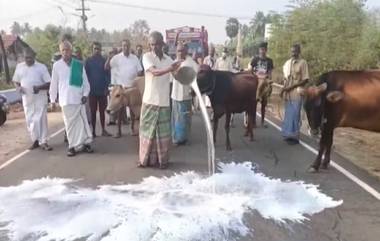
[[228, 148], [312, 170], [245, 134], [117, 136]]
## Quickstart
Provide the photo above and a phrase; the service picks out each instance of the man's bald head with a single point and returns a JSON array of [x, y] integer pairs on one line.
[[156, 42], [212, 50], [182, 50], [66, 50]]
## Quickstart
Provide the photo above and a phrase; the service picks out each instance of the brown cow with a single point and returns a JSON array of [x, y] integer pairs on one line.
[[229, 93], [342, 99], [127, 97]]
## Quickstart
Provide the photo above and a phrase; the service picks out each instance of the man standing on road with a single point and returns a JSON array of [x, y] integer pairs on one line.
[[155, 134], [296, 74], [181, 99], [262, 67], [224, 63], [99, 80], [69, 82], [113, 52], [127, 67], [32, 80], [139, 54], [210, 60]]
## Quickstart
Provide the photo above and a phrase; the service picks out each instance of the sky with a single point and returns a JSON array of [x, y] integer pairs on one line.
[[116, 17]]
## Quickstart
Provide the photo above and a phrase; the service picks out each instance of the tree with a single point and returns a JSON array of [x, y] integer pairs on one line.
[[334, 35], [140, 32], [232, 27], [257, 24], [16, 29], [6, 68], [26, 29]]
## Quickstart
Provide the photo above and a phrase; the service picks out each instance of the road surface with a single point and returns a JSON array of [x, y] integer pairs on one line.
[[357, 219], [12, 95]]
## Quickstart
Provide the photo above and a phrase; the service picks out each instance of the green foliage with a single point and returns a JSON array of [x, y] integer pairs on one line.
[[45, 41], [253, 33], [334, 35], [232, 27]]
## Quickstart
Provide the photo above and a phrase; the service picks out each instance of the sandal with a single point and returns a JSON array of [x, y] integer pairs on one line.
[[46, 147], [140, 165], [34, 145], [71, 152]]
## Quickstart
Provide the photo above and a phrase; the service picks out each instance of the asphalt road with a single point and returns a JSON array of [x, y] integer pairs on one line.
[[114, 162]]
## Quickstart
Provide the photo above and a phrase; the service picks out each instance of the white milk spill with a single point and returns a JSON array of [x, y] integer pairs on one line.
[[176, 208], [206, 119]]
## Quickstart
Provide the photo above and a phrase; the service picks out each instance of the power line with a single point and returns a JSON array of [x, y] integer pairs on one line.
[[168, 10]]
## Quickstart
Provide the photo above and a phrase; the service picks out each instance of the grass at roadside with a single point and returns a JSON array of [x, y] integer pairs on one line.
[[5, 86]]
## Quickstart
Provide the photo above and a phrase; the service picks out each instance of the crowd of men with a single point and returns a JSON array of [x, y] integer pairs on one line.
[[81, 88]]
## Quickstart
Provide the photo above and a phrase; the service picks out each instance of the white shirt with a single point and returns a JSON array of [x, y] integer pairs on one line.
[[60, 85], [157, 88], [29, 76], [210, 61], [124, 69], [182, 92], [223, 64]]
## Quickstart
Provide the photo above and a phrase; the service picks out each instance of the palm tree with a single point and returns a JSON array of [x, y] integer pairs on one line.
[[232, 27], [258, 24], [26, 29]]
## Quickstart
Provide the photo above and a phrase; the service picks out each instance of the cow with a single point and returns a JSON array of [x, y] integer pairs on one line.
[[229, 93], [127, 97], [341, 99]]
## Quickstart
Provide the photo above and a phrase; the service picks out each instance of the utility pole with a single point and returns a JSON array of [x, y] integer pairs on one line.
[[83, 16]]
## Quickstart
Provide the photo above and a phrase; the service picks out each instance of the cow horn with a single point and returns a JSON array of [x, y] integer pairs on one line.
[[335, 96], [322, 88]]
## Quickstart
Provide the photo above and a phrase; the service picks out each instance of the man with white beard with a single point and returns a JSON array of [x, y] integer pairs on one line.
[[70, 83], [32, 80]]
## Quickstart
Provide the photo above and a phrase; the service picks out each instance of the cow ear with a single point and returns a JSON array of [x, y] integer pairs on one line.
[[335, 96]]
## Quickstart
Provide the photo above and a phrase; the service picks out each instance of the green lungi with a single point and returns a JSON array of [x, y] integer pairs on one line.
[[155, 135]]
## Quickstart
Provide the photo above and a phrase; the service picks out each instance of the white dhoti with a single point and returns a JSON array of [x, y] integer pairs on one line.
[[35, 109], [76, 124]]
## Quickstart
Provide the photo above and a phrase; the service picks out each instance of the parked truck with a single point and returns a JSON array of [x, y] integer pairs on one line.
[[196, 39]]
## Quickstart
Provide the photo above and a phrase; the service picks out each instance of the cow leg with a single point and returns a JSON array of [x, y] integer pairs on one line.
[[329, 141], [323, 143], [133, 117], [254, 113], [264, 103], [215, 127], [251, 117], [227, 129], [246, 123], [120, 116]]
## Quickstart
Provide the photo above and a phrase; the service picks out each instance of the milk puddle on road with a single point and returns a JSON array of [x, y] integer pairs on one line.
[[180, 207]]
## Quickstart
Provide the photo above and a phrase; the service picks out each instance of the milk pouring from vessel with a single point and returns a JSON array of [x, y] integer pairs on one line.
[[187, 76]]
